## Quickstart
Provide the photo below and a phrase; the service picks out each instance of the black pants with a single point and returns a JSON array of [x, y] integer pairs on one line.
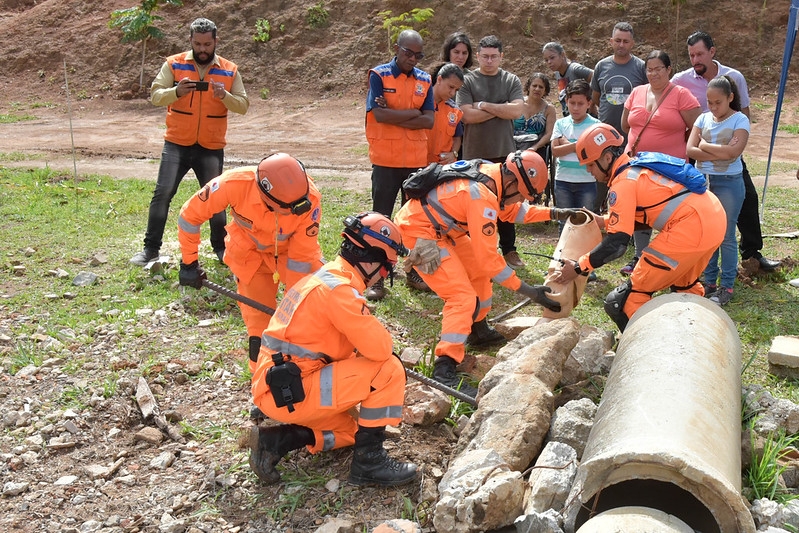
[[749, 221], [386, 184]]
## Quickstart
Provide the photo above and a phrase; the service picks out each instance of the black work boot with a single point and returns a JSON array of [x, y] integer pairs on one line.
[[483, 334], [371, 465], [376, 292], [269, 445], [444, 372]]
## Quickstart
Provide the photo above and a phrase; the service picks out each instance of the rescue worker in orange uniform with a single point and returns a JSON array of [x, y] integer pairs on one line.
[[272, 237], [399, 113], [453, 235], [325, 353], [690, 225]]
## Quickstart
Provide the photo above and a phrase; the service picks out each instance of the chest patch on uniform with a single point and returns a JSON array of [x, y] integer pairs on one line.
[[452, 118], [489, 229], [612, 199], [419, 90], [312, 230]]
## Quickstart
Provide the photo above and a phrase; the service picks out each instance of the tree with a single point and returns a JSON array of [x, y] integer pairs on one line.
[[136, 24]]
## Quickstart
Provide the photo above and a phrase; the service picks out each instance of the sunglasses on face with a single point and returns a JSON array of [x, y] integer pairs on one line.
[[410, 53]]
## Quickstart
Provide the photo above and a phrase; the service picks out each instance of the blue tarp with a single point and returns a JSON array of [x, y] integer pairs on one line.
[[790, 38]]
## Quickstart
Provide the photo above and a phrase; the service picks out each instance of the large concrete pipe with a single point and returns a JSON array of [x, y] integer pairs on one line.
[[635, 520], [579, 236], [667, 433]]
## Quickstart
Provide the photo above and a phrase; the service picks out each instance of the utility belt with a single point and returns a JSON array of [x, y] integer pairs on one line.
[[285, 382]]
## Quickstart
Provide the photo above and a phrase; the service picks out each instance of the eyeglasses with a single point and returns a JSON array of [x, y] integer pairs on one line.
[[655, 70], [410, 53]]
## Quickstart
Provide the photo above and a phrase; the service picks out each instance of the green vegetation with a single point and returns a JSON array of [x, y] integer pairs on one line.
[[317, 16], [790, 128], [137, 24], [263, 31], [9, 118], [410, 20], [762, 478]]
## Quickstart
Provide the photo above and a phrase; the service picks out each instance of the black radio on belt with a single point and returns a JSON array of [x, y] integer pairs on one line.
[[285, 382]]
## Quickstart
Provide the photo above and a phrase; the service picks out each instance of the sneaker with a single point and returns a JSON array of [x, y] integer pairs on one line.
[[794, 282], [375, 292], [721, 296], [144, 257], [513, 260], [710, 289], [627, 269], [415, 281]]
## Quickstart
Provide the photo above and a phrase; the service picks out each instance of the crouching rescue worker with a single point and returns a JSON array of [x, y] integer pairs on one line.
[[690, 225], [452, 231], [324, 353], [272, 236]]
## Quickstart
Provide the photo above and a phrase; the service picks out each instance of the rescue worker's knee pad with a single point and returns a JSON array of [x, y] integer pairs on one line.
[[614, 304]]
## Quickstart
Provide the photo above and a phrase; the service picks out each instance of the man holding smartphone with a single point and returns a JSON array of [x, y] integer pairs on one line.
[[198, 88]]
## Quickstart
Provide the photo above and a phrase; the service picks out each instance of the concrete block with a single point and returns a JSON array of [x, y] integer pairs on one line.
[[783, 357]]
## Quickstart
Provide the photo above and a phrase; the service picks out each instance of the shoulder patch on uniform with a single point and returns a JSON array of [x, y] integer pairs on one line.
[[613, 219], [312, 230], [489, 213], [315, 215], [489, 229], [612, 198], [204, 193]]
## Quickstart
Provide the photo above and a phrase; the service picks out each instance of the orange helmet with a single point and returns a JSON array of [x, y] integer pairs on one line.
[[283, 184], [595, 140], [531, 171], [377, 235]]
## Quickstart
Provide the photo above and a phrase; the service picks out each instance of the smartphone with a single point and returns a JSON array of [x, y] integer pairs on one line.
[[200, 85]]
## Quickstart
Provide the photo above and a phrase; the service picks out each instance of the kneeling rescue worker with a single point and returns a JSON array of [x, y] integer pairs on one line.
[[690, 225], [272, 236], [452, 231], [324, 353]]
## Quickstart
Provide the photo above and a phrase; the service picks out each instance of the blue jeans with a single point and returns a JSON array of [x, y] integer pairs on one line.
[[176, 160], [569, 195], [729, 188]]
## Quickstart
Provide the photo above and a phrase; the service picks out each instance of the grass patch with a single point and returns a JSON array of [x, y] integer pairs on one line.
[[757, 167], [11, 118], [790, 128]]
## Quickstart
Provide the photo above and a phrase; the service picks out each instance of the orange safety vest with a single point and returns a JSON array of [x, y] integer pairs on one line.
[[198, 117], [439, 139], [253, 231], [391, 145]]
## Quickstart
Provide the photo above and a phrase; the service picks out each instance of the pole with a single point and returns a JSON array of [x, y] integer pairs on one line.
[[412, 373]]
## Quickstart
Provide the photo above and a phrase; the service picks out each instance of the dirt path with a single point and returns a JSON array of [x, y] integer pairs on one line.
[[124, 138]]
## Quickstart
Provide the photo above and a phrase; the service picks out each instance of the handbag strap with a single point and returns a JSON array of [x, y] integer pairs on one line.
[[633, 150]]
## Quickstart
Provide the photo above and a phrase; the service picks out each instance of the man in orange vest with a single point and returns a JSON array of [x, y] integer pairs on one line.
[[691, 226], [272, 237], [453, 233], [198, 88], [324, 353], [399, 112]]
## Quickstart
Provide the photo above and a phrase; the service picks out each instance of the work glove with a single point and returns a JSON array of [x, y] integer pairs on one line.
[[191, 275], [538, 293], [562, 214], [425, 256]]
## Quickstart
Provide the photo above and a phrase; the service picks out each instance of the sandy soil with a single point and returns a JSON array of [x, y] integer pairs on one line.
[[124, 138]]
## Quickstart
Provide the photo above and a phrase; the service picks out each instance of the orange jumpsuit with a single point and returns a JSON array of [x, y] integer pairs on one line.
[[344, 353], [691, 226], [259, 242], [465, 213]]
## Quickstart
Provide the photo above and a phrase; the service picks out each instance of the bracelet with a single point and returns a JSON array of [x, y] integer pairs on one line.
[[480, 105]]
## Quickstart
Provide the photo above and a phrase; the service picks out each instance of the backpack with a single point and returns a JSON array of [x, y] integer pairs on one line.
[[424, 180], [674, 168]]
